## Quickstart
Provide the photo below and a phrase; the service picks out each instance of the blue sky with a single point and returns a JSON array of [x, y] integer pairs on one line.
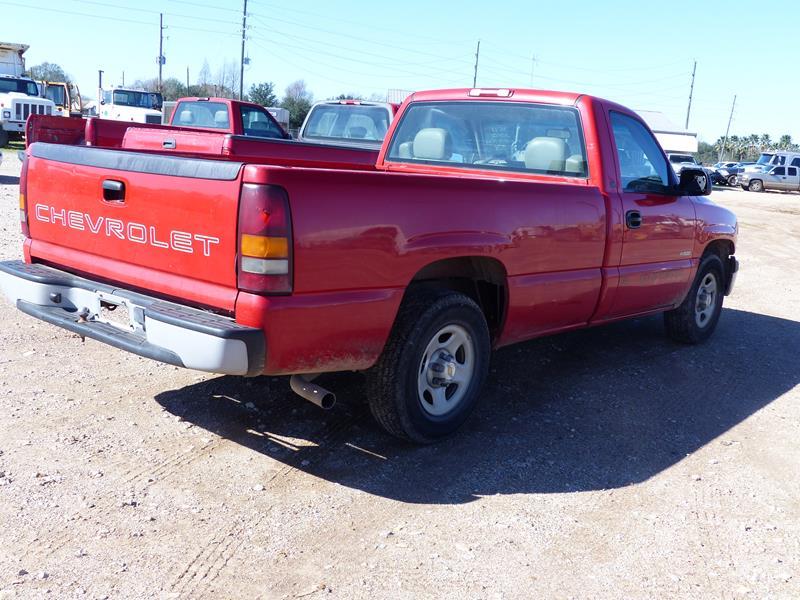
[[637, 53]]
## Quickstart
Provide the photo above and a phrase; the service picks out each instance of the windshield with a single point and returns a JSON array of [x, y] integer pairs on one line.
[[135, 99], [765, 158], [348, 122], [681, 158], [56, 94], [21, 86]]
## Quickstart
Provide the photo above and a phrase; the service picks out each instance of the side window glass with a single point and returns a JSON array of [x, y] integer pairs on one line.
[[257, 123], [796, 162], [792, 172], [641, 163], [779, 171]]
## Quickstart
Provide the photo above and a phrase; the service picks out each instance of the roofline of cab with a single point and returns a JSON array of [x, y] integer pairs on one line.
[[514, 95]]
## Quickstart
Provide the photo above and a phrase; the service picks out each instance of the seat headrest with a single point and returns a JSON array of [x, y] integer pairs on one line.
[[575, 164], [432, 143], [186, 117], [221, 118], [546, 154], [358, 132]]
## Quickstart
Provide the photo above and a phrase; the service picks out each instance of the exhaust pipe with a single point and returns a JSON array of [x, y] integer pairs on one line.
[[302, 386]]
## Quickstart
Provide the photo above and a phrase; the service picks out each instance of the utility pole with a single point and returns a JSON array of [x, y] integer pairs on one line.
[[533, 62], [161, 60], [691, 91], [477, 56], [244, 36], [187, 81], [100, 86], [727, 131], [123, 79]]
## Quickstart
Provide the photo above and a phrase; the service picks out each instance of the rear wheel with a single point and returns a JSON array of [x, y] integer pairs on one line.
[[3, 138], [756, 185], [696, 318], [429, 377], [732, 180]]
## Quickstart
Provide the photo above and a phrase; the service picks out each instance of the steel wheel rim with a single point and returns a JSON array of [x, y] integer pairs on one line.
[[446, 370], [706, 300]]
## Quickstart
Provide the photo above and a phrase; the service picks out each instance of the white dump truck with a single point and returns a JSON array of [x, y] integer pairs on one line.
[[19, 95]]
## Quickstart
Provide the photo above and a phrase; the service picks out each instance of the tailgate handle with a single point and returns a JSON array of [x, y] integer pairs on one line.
[[168, 144], [113, 191]]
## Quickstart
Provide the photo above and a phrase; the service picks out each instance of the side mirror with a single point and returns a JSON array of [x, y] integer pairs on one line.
[[694, 182]]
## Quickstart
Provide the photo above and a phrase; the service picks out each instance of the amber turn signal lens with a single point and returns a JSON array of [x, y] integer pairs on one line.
[[260, 246], [22, 201]]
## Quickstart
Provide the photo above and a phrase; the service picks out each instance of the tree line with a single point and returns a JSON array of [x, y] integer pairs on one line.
[[744, 148]]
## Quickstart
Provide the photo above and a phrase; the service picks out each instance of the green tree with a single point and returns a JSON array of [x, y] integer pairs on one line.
[[297, 101], [172, 88], [263, 94], [47, 71], [785, 142], [348, 96]]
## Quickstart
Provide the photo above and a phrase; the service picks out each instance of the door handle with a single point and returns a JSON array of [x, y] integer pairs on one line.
[[168, 144], [113, 191], [633, 219]]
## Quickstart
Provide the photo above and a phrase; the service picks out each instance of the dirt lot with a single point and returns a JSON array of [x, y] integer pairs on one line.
[[604, 463]]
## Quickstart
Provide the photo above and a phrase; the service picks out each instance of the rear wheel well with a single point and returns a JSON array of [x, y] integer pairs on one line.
[[480, 278]]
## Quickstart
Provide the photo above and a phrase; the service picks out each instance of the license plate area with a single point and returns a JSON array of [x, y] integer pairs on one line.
[[115, 314]]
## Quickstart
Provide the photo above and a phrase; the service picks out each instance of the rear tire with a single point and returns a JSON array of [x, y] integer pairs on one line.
[[732, 180], [696, 318], [3, 138], [756, 185], [430, 374]]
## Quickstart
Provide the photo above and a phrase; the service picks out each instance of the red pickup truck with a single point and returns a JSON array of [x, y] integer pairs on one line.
[[490, 217], [224, 114]]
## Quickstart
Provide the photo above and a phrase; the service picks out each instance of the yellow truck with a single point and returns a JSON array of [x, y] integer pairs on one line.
[[66, 97]]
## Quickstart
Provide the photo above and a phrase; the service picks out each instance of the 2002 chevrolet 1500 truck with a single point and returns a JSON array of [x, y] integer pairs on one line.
[[490, 217]]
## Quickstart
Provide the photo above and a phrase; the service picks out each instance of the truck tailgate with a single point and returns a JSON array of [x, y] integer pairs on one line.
[[158, 223]]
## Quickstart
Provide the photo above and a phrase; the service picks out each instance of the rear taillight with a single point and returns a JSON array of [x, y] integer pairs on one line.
[[23, 201], [265, 240]]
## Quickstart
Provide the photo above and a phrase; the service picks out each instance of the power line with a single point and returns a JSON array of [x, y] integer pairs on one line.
[[150, 11], [435, 55]]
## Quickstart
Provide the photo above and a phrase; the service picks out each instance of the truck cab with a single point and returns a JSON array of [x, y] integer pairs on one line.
[[19, 98], [65, 96], [125, 104], [224, 114]]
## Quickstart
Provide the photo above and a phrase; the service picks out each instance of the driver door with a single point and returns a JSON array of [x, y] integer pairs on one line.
[[659, 226]]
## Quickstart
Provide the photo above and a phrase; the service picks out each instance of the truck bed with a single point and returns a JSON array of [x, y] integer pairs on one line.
[[191, 142]]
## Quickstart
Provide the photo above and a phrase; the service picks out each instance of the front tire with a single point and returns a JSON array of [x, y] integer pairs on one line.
[[732, 180], [756, 185], [696, 318], [430, 374]]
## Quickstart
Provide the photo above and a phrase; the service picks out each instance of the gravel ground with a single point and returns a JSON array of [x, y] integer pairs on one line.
[[603, 463]]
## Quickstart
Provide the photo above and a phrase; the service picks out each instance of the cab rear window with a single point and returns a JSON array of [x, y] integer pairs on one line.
[[348, 122], [213, 115], [506, 136]]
